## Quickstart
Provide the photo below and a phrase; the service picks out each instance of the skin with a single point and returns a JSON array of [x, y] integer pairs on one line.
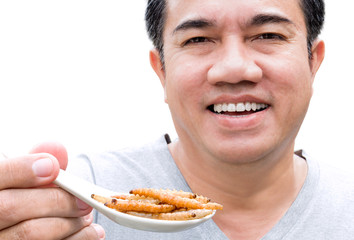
[[31, 207], [232, 51]]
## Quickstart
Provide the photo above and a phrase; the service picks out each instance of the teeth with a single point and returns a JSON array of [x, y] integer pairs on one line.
[[239, 107], [224, 107], [248, 106], [231, 107], [218, 108], [254, 106]]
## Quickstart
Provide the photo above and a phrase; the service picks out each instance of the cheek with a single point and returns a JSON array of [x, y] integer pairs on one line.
[[184, 82], [289, 77], [290, 85], [184, 94]]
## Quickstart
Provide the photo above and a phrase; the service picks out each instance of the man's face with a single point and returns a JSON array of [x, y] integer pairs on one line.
[[237, 76]]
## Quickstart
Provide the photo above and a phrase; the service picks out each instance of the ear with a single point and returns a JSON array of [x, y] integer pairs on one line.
[[318, 53], [156, 64]]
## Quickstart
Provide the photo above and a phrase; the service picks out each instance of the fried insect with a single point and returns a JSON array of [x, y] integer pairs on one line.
[[190, 195], [181, 193], [169, 198], [175, 215], [136, 197], [137, 206], [202, 199], [161, 204], [213, 206], [100, 198], [166, 196]]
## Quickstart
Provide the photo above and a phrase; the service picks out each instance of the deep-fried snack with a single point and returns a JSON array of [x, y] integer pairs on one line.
[[202, 199], [175, 215], [161, 204], [136, 197], [169, 198], [213, 206], [166, 196], [138, 206], [190, 195], [181, 193], [101, 199]]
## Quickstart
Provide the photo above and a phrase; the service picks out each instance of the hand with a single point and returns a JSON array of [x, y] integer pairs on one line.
[[33, 208]]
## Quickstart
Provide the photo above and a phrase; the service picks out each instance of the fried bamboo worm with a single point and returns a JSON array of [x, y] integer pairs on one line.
[[136, 197], [212, 206], [101, 198], [161, 204], [138, 206], [199, 198], [169, 198], [202, 199], [124, 196], [176, 215], [190, 195], [181, 193]]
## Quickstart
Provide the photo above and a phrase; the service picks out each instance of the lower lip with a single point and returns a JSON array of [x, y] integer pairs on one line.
[[240, 122]]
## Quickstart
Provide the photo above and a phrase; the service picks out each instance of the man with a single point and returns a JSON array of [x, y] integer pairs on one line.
[[238, 78]]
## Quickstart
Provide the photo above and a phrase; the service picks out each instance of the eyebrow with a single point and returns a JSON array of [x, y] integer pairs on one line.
[[262, 19], [194, 23], [259, 19]]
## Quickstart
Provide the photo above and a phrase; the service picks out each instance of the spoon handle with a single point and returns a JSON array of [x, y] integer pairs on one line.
[[72, 184], [79, 187]]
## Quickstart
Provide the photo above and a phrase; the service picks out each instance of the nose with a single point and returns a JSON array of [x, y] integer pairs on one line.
[[234, 63]]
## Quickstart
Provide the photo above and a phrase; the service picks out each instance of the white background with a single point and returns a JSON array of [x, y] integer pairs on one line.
[[78, 72]]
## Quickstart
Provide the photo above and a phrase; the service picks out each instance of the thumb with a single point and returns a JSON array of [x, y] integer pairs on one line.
[[54, 148]]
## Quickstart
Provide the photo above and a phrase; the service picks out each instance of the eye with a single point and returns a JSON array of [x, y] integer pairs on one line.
[[196, 40], [270, 36]]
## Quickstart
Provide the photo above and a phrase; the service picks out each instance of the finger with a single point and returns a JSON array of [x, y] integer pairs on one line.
[[46, 228], [54, 148], [18, 205], [94, 232], [28, 171]]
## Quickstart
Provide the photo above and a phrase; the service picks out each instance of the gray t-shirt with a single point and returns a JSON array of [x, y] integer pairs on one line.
[[324, 208]]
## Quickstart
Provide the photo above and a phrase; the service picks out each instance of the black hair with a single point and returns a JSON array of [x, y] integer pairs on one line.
[[314, 13], [155, 17]]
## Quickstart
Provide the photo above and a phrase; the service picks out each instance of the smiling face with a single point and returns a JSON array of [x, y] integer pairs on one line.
[[237, 77]]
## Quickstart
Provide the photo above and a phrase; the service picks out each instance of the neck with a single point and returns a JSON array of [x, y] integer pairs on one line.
[[265, 187]]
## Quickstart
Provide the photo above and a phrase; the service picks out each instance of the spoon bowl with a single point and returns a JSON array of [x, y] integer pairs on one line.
[[83, 190]]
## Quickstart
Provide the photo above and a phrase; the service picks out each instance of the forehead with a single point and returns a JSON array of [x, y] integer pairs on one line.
[[236, 12]]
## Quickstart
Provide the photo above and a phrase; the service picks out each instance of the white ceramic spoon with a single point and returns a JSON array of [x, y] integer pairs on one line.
[[83, 189]]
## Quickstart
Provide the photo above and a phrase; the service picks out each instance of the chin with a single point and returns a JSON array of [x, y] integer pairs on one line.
[[244, 152], [238, 155]]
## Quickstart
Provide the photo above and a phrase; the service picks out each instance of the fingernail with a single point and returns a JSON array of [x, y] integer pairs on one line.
[[43, 167], [99, 230], [81, 205]]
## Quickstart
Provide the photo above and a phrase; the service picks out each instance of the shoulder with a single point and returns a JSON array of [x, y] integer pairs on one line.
[[147, 165], [325, 206], [129, 155], [337, 183], [334, 196], [330, 176], [337, 177]]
